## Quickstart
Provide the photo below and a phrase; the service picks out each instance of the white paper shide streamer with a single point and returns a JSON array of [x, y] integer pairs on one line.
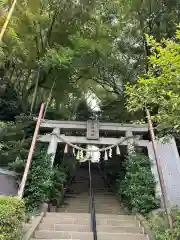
[[118, 150], [78, 155], [110, 152], [66, 148], [105, 156], [95, 155], [81, 154]]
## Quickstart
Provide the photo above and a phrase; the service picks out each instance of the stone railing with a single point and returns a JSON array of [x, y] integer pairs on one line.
[[30, 228]]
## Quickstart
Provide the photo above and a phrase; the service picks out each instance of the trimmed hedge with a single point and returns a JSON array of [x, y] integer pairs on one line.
[[12, 213]]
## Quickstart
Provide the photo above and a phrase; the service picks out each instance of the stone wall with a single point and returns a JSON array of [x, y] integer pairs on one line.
[[170, 166], [8, 184]]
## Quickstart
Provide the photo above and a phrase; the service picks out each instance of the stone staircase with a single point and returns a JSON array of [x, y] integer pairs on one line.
[[72, 221]]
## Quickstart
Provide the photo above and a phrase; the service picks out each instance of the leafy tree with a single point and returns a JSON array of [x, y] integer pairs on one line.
[[16, 139], [159, 88], [50, 42], [132, 20], [77, 46]]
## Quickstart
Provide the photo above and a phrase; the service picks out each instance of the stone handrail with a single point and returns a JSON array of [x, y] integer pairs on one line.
[[146, 226], [35, 222]]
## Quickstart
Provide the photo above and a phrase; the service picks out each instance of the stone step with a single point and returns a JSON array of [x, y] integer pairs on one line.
[[68, 215], [78, 193], [120, 229], [100, 195], [86, 221], [65, 227], [75, 196], [105, 200], [97, 208], [66, 220], [71, 202], [103, 204], [118, 236], [75, 204], [115, 217], [86, 197], [104, 208], [101, 188], [80, 182], [83, 208], [45, 234], [75, 186], [87, 215], [79, 188], [109, 212], [86, 209], [76, 201], [73, 210], [107, 205], [114, 222]]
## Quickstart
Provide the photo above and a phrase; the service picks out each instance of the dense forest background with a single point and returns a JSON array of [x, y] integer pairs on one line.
[[65, 52]]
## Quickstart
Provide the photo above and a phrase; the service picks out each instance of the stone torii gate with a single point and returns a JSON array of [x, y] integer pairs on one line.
[[130, 134], [93, 131]]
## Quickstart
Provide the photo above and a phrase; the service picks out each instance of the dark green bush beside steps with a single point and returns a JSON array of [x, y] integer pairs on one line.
[[137, 189], [12, 214]]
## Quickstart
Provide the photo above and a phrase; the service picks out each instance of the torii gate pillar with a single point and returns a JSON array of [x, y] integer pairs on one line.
[[53, 145]]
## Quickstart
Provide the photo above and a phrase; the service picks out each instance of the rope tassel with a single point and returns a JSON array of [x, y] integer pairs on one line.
[[66, 149], [105, 156], [118, 150]]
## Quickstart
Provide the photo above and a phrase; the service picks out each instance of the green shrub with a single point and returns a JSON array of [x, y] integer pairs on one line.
[[137, 189], [59, 179], [159, 226], [11, 217], [39, 181]]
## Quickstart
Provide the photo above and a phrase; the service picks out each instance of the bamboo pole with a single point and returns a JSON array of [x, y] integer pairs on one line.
[[31, 151], [49, 98], [35, 92], [160, 174], [7, 20]]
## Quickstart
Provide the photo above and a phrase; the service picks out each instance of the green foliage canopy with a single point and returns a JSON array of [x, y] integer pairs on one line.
[[160, 87]]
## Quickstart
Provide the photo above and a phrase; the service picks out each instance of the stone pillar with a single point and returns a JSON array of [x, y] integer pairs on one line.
[[130, 142], [154, 170], [53, 145]]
